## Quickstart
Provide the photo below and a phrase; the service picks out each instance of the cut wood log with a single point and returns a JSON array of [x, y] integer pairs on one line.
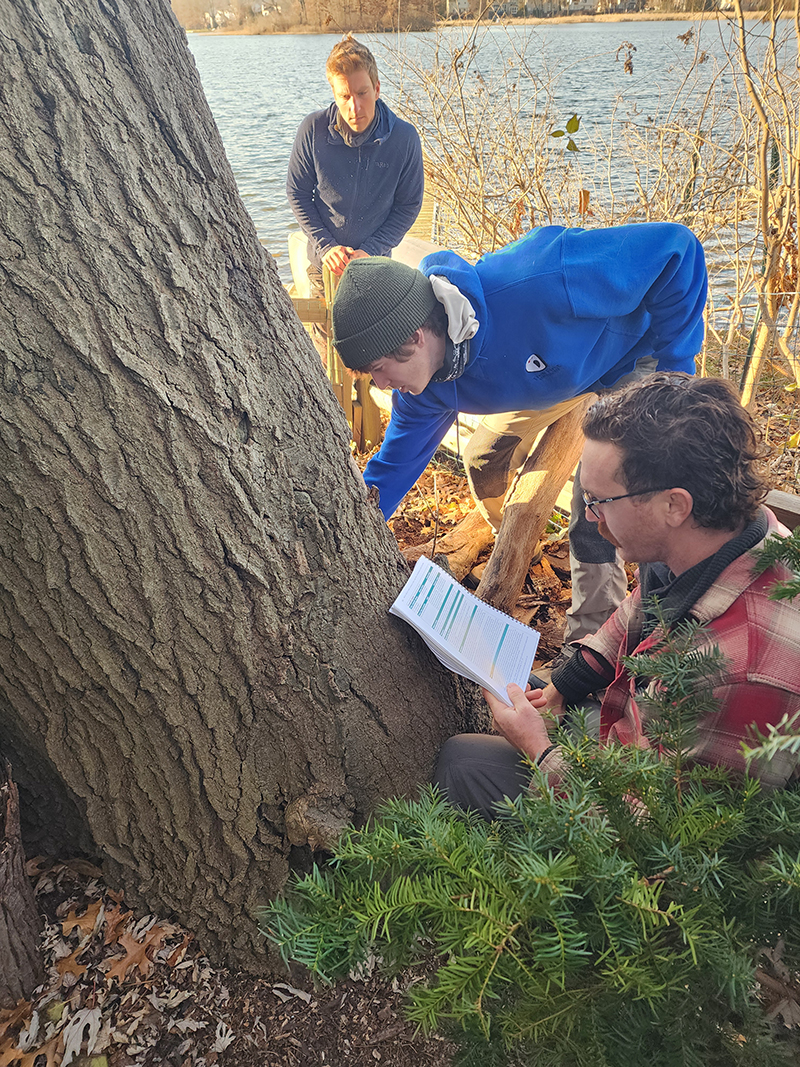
[[529, 504], [786, 507], [462, 546], [20, 957]]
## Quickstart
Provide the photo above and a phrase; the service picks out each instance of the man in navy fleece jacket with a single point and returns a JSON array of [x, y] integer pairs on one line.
[[355, 174]]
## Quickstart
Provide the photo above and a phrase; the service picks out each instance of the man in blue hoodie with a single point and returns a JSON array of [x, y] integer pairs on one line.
[[355, 174], [520, 337]]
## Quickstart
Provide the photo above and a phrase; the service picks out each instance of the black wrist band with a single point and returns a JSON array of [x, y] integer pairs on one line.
[[546, 752]]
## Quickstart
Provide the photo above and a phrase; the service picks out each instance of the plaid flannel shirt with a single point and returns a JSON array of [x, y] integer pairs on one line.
[[759, 684]]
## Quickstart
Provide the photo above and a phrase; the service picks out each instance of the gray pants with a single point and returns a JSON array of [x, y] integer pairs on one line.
[[496, 451], [476, 771]]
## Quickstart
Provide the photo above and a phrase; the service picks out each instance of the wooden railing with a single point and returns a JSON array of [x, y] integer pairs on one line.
[[362, 414]]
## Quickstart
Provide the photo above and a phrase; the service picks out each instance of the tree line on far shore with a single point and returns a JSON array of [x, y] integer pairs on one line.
[[270, 16]]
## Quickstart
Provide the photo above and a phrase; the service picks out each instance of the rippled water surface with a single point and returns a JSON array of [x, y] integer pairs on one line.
[[260, 88]]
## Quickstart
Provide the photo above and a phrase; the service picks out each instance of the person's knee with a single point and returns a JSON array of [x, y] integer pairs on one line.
[[449, 760], [478, 448], [488, 463], [476, 771], [587, 544]]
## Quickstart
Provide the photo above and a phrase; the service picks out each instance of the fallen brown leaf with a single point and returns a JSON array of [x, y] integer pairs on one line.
[[69, 964], [9, 1017], [135, 954], [115, 920], [85, 923]]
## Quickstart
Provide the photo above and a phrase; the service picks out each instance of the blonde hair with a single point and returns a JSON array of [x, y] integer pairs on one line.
[[349, 56]]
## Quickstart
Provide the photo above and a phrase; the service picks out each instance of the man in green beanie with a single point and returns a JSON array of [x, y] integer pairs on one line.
[[520, 337]]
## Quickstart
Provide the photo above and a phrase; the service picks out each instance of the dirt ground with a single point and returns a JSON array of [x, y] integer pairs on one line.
[[124, 990]]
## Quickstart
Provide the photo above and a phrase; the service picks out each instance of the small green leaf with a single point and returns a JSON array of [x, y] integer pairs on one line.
[[791, 388], [794, 441], [571, 146], [55, 1010], [574, 124], [557, 133]]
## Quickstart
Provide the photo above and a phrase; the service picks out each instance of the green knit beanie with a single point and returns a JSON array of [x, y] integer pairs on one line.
[[378, 305]]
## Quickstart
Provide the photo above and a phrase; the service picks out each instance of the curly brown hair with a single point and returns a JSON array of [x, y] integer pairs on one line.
[[692, 433]]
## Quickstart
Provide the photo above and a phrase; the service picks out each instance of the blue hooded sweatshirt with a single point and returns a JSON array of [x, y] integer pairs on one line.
[[561, 312], [366, 197]]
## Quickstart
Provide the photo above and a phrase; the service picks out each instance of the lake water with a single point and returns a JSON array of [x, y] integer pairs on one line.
[[260, 88]]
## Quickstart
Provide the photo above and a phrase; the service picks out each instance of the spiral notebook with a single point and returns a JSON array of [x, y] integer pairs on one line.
[[466, 634]]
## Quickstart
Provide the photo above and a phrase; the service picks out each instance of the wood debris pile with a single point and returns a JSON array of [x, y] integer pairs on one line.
[[440, 500], [437, 503]]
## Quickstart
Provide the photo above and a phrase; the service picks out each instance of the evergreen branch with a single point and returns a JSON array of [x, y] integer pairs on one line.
[[777, 740], [497, 953], [784, 550]]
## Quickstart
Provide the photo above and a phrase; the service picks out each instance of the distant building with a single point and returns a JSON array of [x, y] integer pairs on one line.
[[544, 9], [611, 7], [456, 9]]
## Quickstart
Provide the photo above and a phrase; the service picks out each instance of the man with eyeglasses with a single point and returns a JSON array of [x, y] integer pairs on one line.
[[671, 477]]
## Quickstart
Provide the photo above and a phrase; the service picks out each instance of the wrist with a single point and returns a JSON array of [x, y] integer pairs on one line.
[[543, 755]]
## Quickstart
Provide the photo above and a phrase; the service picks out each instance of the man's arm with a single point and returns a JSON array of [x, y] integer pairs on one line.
[[415, 431], [301, 184], [522, 722], [676, 299], [406, 205], [583, 673]]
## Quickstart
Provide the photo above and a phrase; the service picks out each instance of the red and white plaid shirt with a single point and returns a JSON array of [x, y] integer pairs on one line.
[[760, 681]]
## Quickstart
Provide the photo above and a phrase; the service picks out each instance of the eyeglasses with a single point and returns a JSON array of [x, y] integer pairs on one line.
[[593, 505]]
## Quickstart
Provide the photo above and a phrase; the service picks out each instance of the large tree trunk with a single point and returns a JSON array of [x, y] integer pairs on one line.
[[198, 677]]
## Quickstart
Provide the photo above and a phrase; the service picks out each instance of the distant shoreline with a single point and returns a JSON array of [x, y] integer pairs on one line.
[[629, 16]]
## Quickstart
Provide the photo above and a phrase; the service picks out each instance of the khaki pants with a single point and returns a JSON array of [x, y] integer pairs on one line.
[[319, 335], [494, 454]]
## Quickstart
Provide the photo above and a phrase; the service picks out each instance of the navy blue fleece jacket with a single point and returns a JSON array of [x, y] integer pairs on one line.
[[366, 197], [587, 304]]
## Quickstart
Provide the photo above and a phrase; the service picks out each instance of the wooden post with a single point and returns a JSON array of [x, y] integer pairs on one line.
[[362, 414], [528, 505], [371, 425], [21, 967], [340, 380], [786, 507]]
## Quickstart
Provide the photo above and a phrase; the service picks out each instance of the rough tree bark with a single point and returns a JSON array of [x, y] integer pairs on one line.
[[21, 967], [198, 678]]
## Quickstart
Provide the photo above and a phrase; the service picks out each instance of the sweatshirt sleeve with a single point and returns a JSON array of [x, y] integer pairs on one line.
[[659, 267], [301, 184], [583, 673], [611, 639], [414, 433], [407, 201]]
